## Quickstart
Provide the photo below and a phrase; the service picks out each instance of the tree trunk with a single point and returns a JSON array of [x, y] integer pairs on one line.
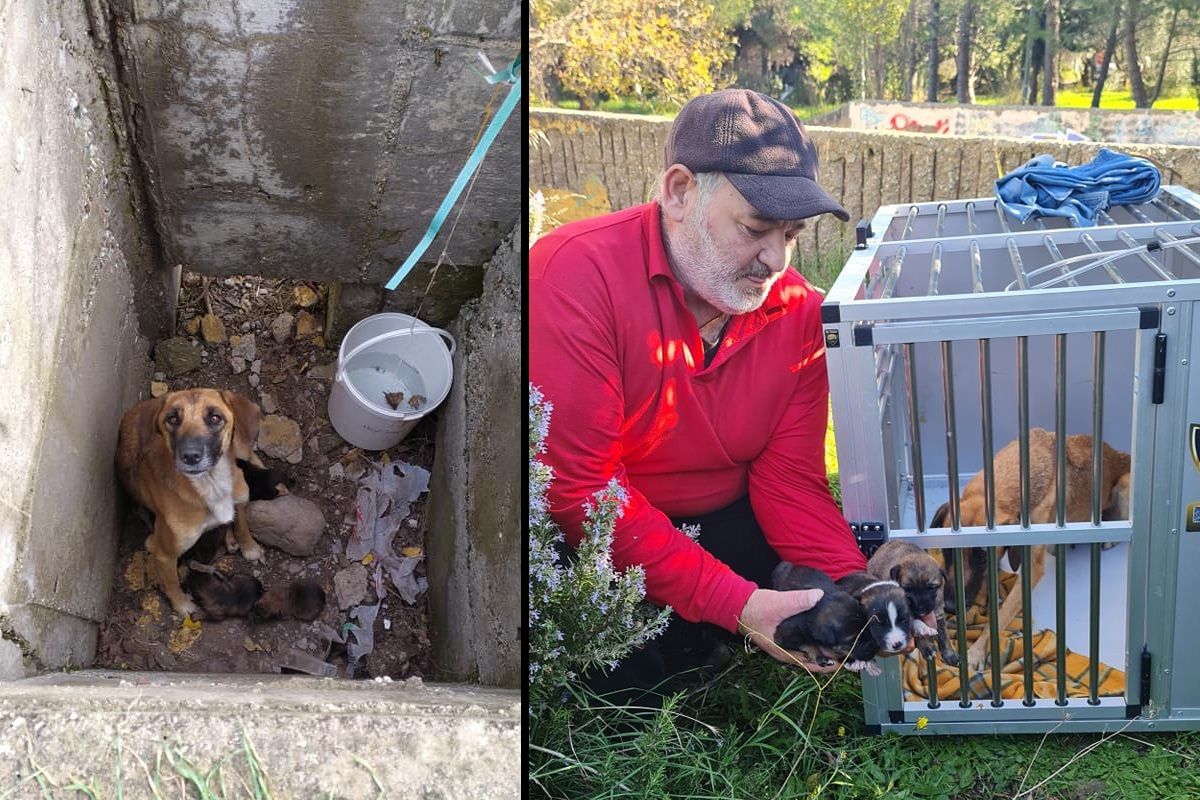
[[1050, 70], [1162, 64], [1033, 56], [1109, 47], [908, 73], [931, 94], [965, 84], [1131, 57]]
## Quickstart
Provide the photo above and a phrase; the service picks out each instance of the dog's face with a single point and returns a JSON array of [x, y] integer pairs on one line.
[[922, 580], [199, 426], [891, 619]]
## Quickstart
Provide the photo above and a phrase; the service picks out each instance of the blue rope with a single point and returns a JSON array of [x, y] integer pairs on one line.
[[435, 225]]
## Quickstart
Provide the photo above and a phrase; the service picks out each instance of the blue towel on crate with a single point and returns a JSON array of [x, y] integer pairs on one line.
[[1053, 189]]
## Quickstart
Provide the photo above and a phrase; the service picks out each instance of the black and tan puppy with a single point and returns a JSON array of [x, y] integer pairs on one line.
[[889, 620], [303, 599], [176, 455], [1043, 491], [923, 581], [223, 596], [831, 632]]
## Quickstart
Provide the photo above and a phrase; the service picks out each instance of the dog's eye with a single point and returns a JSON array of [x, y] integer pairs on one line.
[[173, 419], [215, 419]]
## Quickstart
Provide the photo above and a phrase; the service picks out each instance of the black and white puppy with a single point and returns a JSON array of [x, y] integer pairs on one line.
[[890, 620], [831, 632], [923, 582]]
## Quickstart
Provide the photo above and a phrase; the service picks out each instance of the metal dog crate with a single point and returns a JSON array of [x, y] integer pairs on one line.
[[955, 330]]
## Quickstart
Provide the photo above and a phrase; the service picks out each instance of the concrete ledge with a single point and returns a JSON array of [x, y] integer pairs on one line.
[[311, 737]]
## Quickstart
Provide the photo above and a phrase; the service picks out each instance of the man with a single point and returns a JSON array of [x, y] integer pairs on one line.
[[685, 359]]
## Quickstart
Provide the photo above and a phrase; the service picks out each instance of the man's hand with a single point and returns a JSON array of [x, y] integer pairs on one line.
[[763, 612]]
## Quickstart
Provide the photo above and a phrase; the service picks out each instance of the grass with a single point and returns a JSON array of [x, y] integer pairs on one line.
[[1116, 98], [760, 730]]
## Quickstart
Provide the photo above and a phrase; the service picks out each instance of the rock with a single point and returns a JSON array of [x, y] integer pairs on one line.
[[314, 444], [158, 388], [324, 371], [350, 585], [212, 328], [243, 346], [279, 437], [337, 472], [253, 380], [176, 356], [290, 523], [269, 406], [306, 324], [256, 366], [192, 326], [355, 470], [238, 364], [281, 327], [304, 296]]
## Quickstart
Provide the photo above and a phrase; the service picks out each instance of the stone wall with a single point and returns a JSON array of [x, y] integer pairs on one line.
[[588, 163], [1098, 125], [474, 541], [316, 138], [79, 295]]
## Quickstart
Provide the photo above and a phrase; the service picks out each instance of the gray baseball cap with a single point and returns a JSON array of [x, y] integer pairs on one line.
[[760, 146]]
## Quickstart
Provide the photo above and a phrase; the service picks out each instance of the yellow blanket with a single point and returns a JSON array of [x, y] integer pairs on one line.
[[1012, 659]]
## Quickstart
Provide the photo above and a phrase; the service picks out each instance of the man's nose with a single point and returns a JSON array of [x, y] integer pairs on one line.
[[776, 251]]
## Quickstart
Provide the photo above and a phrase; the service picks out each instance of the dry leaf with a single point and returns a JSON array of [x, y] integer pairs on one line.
[[304, 296], [416, 401], [368, 558], [252, 646], [393, 398], [183, 638], [412, 552], [189, 623], [135, 573]]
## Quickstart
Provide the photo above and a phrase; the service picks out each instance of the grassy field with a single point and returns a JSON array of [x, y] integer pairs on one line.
[[759, 730], [1118, 98]]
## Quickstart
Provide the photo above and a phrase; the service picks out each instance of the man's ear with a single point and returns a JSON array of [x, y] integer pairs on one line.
[[678, 181], [246, 418]]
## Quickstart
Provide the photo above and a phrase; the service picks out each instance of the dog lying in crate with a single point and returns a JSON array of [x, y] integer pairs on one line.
[[1043, 481]]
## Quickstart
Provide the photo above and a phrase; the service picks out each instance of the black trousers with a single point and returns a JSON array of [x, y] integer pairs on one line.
[[684, 649]]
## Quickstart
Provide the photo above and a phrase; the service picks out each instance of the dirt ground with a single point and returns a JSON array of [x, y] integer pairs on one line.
[[293, 379]]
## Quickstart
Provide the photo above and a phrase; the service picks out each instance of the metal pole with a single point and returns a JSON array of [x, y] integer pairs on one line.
[[914, 426], [1014, 253], [1097, 486], [1146, 258], [1060, 505], [935, 269], [1023, 444], [976, 268]]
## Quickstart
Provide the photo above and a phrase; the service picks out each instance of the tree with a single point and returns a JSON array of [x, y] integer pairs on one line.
[[934, 52], [965, 82], [1050, 69], [1110, 44], [1162, 62], [1132, 67]]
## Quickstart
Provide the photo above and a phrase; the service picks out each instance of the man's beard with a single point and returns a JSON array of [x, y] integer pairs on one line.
[[709, 274]]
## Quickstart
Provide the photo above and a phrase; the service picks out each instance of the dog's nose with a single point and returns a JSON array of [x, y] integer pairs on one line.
[[191, 459]]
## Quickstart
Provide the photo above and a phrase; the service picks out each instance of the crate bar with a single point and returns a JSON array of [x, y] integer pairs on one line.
[[971, 217], [989, 492], [935, 270], [976, 268], [931, 682], [1004, 226], [1146, 258], [1098, 342], [1102, 218], [951, 719], [1167, 209], [1184, 250], [1016, 535], [1023, 446], [1137, 213], [955, 519], [941, 220], [893, 274], [1106, 263], [918, 467], [1014, 253], [1057, 255], [1060, 515], [1000, 327], [908, 223]]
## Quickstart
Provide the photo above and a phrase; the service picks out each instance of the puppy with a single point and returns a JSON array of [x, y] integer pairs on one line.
[[889, 619], [303, 599], [923, 582], [222, 596], [830, 632], [176, 456], [1043, 481], [264, 484]]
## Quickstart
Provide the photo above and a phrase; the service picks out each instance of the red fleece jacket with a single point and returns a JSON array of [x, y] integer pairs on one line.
[[617, 353]]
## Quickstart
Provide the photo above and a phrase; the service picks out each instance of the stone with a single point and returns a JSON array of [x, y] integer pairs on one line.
[[158, 388], [337, 472], [212, 329], [281, 327], [279, 437], [176, 356], [269, 406], [304, 296], [244, 346], [253, 379], [324, 372], [290, 523], [350, 585], [238, 365], [306, 324], [256, 366]]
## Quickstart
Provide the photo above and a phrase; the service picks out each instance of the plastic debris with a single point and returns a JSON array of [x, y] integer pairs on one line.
[[384, 500], [299, 661], [363, 635]]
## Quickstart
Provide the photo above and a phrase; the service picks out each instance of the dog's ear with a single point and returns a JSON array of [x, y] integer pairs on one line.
[[940, 516], [246, 418], [895, 573], [1014, 558], [147, 416], [972, 512]]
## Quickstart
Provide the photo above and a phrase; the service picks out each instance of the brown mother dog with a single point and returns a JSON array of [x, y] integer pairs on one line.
[[176, 455]]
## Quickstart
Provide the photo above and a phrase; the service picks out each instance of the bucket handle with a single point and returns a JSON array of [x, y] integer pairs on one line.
[[383, 337]]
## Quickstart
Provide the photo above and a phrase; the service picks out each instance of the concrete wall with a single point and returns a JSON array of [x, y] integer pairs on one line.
[[316, 138], [475, 541], [76, 256], [589, 163], [1097, 125]]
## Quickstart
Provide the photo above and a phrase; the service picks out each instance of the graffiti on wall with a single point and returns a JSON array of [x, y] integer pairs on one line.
[[914, 124]]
